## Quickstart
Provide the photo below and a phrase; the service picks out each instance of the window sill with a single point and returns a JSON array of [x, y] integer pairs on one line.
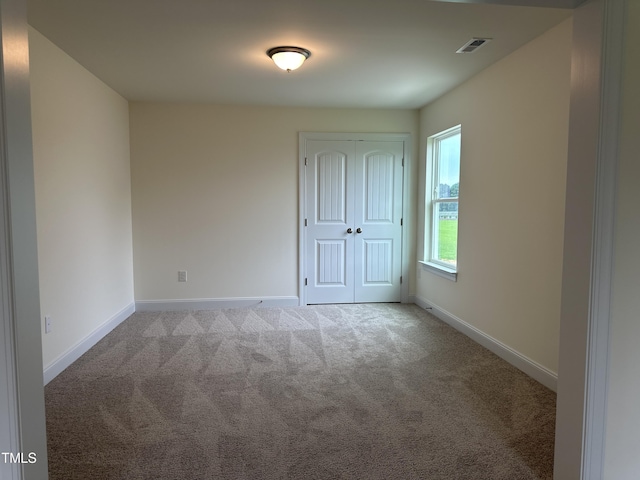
[[440, 270]]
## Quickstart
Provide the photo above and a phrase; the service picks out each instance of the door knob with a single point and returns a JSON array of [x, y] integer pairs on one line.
[[358, 230], [349, 230]]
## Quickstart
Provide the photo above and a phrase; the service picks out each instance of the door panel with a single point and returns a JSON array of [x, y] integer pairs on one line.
[[378, 194], [331, 188], [329, 192], [353, 207], [378, 212], [332, 262], [378, 263]]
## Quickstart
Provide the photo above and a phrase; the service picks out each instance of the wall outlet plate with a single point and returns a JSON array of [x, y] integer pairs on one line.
[[182, 275], [47, 324]]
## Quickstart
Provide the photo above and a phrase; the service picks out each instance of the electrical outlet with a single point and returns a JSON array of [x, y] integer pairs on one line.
[[47, 324], [182, 275]]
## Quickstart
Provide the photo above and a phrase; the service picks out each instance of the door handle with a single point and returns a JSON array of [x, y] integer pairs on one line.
[[358, 230], [349, 230]]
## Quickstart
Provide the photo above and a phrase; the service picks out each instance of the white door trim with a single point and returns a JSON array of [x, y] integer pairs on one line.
[[22, 408], [302, 139], [597, 59], [10, 438], [596, 388], [9, 428]]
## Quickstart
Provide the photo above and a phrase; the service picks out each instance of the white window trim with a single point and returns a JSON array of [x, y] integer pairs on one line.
[[440, 270], [431, 264]]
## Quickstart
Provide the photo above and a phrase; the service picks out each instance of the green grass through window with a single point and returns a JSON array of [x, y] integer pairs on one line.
[[448, 235]]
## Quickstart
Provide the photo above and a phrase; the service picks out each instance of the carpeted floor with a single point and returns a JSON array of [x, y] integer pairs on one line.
[[377, 391]]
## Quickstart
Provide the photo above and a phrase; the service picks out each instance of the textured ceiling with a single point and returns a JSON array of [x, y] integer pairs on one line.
[[365, 53]]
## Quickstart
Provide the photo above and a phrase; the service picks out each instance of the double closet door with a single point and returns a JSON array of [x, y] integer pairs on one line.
[[353, 221]]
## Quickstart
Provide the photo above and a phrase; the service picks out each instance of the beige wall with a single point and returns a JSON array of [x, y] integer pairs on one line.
[[215, 193], [83, 199], [623, 418], [514, 118]]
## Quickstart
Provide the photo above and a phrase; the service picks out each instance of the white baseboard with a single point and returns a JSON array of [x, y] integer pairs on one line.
[[536, 371], [214, 303], [67, 358]]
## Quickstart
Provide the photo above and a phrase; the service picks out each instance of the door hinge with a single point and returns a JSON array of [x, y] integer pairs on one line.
[[401, 279], [305, 222], [305, 282], [305, 161], [403, 161], [401, 222]]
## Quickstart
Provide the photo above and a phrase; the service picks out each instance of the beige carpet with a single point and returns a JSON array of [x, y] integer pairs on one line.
[[378, 391]]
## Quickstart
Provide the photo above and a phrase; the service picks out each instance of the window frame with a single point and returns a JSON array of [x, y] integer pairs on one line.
[[432, 201]]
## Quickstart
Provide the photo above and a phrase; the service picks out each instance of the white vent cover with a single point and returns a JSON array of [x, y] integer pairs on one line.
[[472, 45]]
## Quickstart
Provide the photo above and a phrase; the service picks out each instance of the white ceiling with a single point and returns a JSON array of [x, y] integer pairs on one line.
[[365, 53]]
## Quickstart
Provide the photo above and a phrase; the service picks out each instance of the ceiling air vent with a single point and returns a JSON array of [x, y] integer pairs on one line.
[[472, 45]]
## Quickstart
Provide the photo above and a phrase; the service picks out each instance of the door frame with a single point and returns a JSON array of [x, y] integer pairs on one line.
[[10, 428], [22, 410], [303, 137]]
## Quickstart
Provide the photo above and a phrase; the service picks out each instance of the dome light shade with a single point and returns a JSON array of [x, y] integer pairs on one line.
[[288, 58]]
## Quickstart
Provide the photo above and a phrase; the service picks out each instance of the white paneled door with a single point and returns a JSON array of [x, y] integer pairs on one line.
[[353, 221]]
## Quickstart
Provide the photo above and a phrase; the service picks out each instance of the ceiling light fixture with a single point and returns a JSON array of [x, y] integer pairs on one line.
[[288, 58]]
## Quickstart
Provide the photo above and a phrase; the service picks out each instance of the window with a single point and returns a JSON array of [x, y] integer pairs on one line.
[[443, 175]]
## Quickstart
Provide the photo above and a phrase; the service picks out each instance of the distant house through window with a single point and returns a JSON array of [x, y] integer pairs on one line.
[[443, 170]]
